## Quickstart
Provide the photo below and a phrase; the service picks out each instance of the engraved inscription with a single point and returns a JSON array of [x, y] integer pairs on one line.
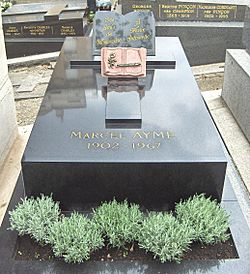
[[135, 29], [153, 134], [14, 31], [197, 12], [37, 30], [110, 140], [96, 135], [187, 11], [142, 145], [142, 7], [104, 145], [67, 30], [177, 11]]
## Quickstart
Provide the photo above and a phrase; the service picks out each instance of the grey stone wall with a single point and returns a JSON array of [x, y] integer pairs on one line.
[[236, 87], [8, 125]]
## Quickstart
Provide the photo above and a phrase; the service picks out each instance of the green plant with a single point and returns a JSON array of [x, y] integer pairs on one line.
[[207, 219], [74, 238], [34, 216], [5, 5], [119, 222], [164, 236]]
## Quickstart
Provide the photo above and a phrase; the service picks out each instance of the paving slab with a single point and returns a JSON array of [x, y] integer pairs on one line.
[[234, 138], [11, 169]]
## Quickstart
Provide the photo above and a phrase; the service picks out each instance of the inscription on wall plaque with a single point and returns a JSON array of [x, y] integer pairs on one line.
[[171, 10], [12, 31], [44, 21], [136, 29], [37, 30], [45, 30]]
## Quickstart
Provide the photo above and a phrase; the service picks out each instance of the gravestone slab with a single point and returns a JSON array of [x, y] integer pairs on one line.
[[171, 10], [173, 154], [39, 28], [43, 21], [136, 29]]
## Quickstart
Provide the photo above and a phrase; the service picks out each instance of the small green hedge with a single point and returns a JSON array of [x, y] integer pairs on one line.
[[118, 222], [166, 235], [208, 221], [34, 217], [74, 238]]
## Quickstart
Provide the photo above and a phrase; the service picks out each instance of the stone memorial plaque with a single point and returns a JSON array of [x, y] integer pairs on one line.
[[171, 10], [136, 29], [44, 30]]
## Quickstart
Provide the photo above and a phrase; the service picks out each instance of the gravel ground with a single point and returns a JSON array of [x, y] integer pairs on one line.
[[27, 111], [28, 103], [213, 81]]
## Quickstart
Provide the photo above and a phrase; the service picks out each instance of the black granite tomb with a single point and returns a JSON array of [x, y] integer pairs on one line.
[[205, 28], [39, 28], [174, 152], [80, 155]]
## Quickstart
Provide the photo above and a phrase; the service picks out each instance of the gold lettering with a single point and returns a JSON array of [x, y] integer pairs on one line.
[[137, 135], [147, 134], [86, 136], [115, 135], [158, 134], [170, 134], [97, 135], [76, 134]]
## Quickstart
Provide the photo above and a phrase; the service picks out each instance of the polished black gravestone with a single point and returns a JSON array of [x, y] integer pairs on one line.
[[118, 93], [40, 28], [72, 153], [135, 29], [205, 28]]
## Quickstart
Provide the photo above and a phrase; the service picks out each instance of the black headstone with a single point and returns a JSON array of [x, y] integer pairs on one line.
[[136, 29]]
